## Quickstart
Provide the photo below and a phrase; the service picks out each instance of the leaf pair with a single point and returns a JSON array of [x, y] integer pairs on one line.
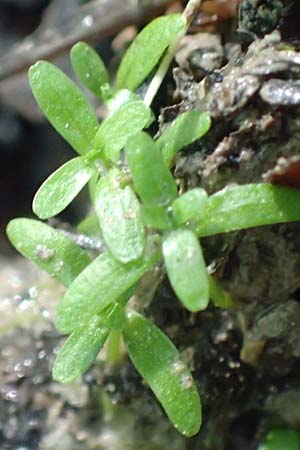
[[148, 162], [232, 209], [137, 63], [58, 191], [47, 248], [181, 250], [153, 355]]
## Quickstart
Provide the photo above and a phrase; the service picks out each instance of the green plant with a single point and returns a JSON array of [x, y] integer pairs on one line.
[[281, 439], [142, 218]]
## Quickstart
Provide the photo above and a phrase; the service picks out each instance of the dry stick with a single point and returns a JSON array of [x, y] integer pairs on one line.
[[189, 13], [100, 19]]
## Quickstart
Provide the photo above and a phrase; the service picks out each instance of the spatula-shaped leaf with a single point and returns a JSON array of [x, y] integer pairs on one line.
[[247, 206], [281, 439], [218, 295], [151, 177], [185, 129], [158, 361], [80, 350], [101, 283], [48, 249], [119, 214], [190, 205], [146, 50], [58, 191], [186, 269], [91, 70], [116, 129], [64, 105]]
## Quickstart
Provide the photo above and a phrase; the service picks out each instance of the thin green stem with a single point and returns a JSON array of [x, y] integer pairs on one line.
[[114, 352], [189, 13]]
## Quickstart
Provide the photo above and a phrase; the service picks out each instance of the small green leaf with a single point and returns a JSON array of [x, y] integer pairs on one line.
[[89, 226], [146, 50], [101, 283], [186, 269], [151, 177], [48, 249], [218, 295], [189, 206], [158, 362], [113, 133], [90, 70], [183, 131], [250, 205], [58, 191], [119, 215], [64, 105], [281, 439], [80, 350]]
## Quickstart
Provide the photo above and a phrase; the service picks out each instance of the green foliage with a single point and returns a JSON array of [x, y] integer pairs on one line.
[[91, 70], [64, 105], [146, 50], [89, 294], [218, 296], [80, 350], [89, 226], [119, 214], [189, 206], [281, 439], [58, 191], [137, 209], [186, 269], [158, 361], [151, 177], [183, 131], [47, 248], [116, 129], [251, 205]]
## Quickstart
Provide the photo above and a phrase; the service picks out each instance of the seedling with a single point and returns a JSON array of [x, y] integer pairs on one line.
[[142, 218]]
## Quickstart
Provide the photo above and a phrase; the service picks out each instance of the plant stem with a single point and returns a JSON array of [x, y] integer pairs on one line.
[[189, 13], [114, 351]]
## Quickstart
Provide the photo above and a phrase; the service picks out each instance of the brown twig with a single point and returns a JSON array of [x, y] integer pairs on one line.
[[96, 19]]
